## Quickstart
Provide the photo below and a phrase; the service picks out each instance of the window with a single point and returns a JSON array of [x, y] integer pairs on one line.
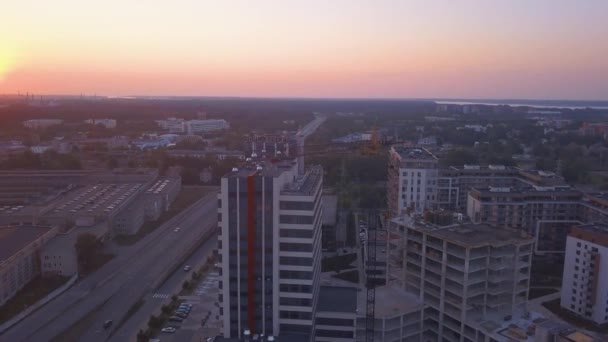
[[296, 233], [294, 205], [295, 219], [335, 321], [295, 247], [295, 274], [295, 301], [295, 261]]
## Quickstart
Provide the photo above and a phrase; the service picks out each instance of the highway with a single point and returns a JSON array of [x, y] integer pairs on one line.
[[121, 282], [162, 295]]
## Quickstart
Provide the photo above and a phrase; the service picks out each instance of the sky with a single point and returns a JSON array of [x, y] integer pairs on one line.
[[541, 49]]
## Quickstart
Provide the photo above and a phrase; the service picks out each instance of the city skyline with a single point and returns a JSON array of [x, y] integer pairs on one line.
[[342, 49]]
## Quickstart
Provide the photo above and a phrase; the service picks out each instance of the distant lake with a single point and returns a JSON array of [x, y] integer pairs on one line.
[[532, 103]]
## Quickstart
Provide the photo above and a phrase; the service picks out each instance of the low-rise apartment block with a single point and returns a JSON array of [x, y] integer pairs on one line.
[[20, 248]]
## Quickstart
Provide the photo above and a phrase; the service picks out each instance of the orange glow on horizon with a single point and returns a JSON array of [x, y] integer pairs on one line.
[[342, 48]]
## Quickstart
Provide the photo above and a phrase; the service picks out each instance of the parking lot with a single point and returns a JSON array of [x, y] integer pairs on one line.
[[203, 320]]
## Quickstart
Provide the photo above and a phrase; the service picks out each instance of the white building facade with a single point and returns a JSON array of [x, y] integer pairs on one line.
[[412, 179], [202, 126], [270, 249], [585, 279]]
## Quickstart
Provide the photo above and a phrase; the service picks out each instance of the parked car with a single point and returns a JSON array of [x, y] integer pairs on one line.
[[187, 268], [181, 315], [169, 330], [176, 319], [107, 324]]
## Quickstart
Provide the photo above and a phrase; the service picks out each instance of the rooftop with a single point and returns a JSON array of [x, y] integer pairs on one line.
[[305, 184], [594, 233], [161, 185], [262, 167], [412, 152], [468, 235], [390, 301], [281, 338], [337, 299], [99, 199], [15, 238]]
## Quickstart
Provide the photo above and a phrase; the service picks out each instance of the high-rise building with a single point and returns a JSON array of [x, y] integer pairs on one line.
[[470, 276], [412, 179], [270, 249], [585, 280]]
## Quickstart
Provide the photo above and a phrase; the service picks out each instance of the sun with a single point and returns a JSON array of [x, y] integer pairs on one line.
[[6, 62]]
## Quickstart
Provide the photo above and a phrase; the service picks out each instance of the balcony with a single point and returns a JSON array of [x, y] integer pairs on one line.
[[496, 290], [454, 313], [456, 250], [455, 289], [434, 266], [454, 300], [475, 290], [452, 324], [437, 244]]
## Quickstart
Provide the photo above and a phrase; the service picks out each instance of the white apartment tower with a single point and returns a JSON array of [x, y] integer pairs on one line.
[[585, 279], [270, 249], [412, 179]]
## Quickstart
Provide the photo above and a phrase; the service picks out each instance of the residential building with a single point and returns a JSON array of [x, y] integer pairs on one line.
[[470, 276], [160, 195], [173, 125], [585, 280], [203, 126], [270, 248], [107, 123], [412, 179], [40, 149], [41, 123], [20, 248]]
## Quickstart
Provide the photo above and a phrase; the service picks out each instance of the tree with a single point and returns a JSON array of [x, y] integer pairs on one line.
[[154, 322], [142, 336], [458, 158], [166, 309], [88, 251]]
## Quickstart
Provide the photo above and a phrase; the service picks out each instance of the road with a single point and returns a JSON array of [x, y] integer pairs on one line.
[[162, 295], [119, 283], [311, 127]]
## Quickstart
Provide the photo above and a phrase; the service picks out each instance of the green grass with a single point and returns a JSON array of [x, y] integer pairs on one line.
[[540, 292], [338, 262], [35, 290], [568, 316], [188, 196], [352, 276]]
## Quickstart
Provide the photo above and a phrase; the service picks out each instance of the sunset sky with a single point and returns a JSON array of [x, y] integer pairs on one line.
[[547, 49]]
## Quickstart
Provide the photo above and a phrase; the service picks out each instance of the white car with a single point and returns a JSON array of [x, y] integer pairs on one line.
[[176, 229], [187, 268], [169, 330]]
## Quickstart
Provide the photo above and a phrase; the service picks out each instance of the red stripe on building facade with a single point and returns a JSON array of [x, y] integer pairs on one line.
[[251, 252]]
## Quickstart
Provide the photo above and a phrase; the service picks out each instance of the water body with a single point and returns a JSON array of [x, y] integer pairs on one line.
[[555, 104]]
